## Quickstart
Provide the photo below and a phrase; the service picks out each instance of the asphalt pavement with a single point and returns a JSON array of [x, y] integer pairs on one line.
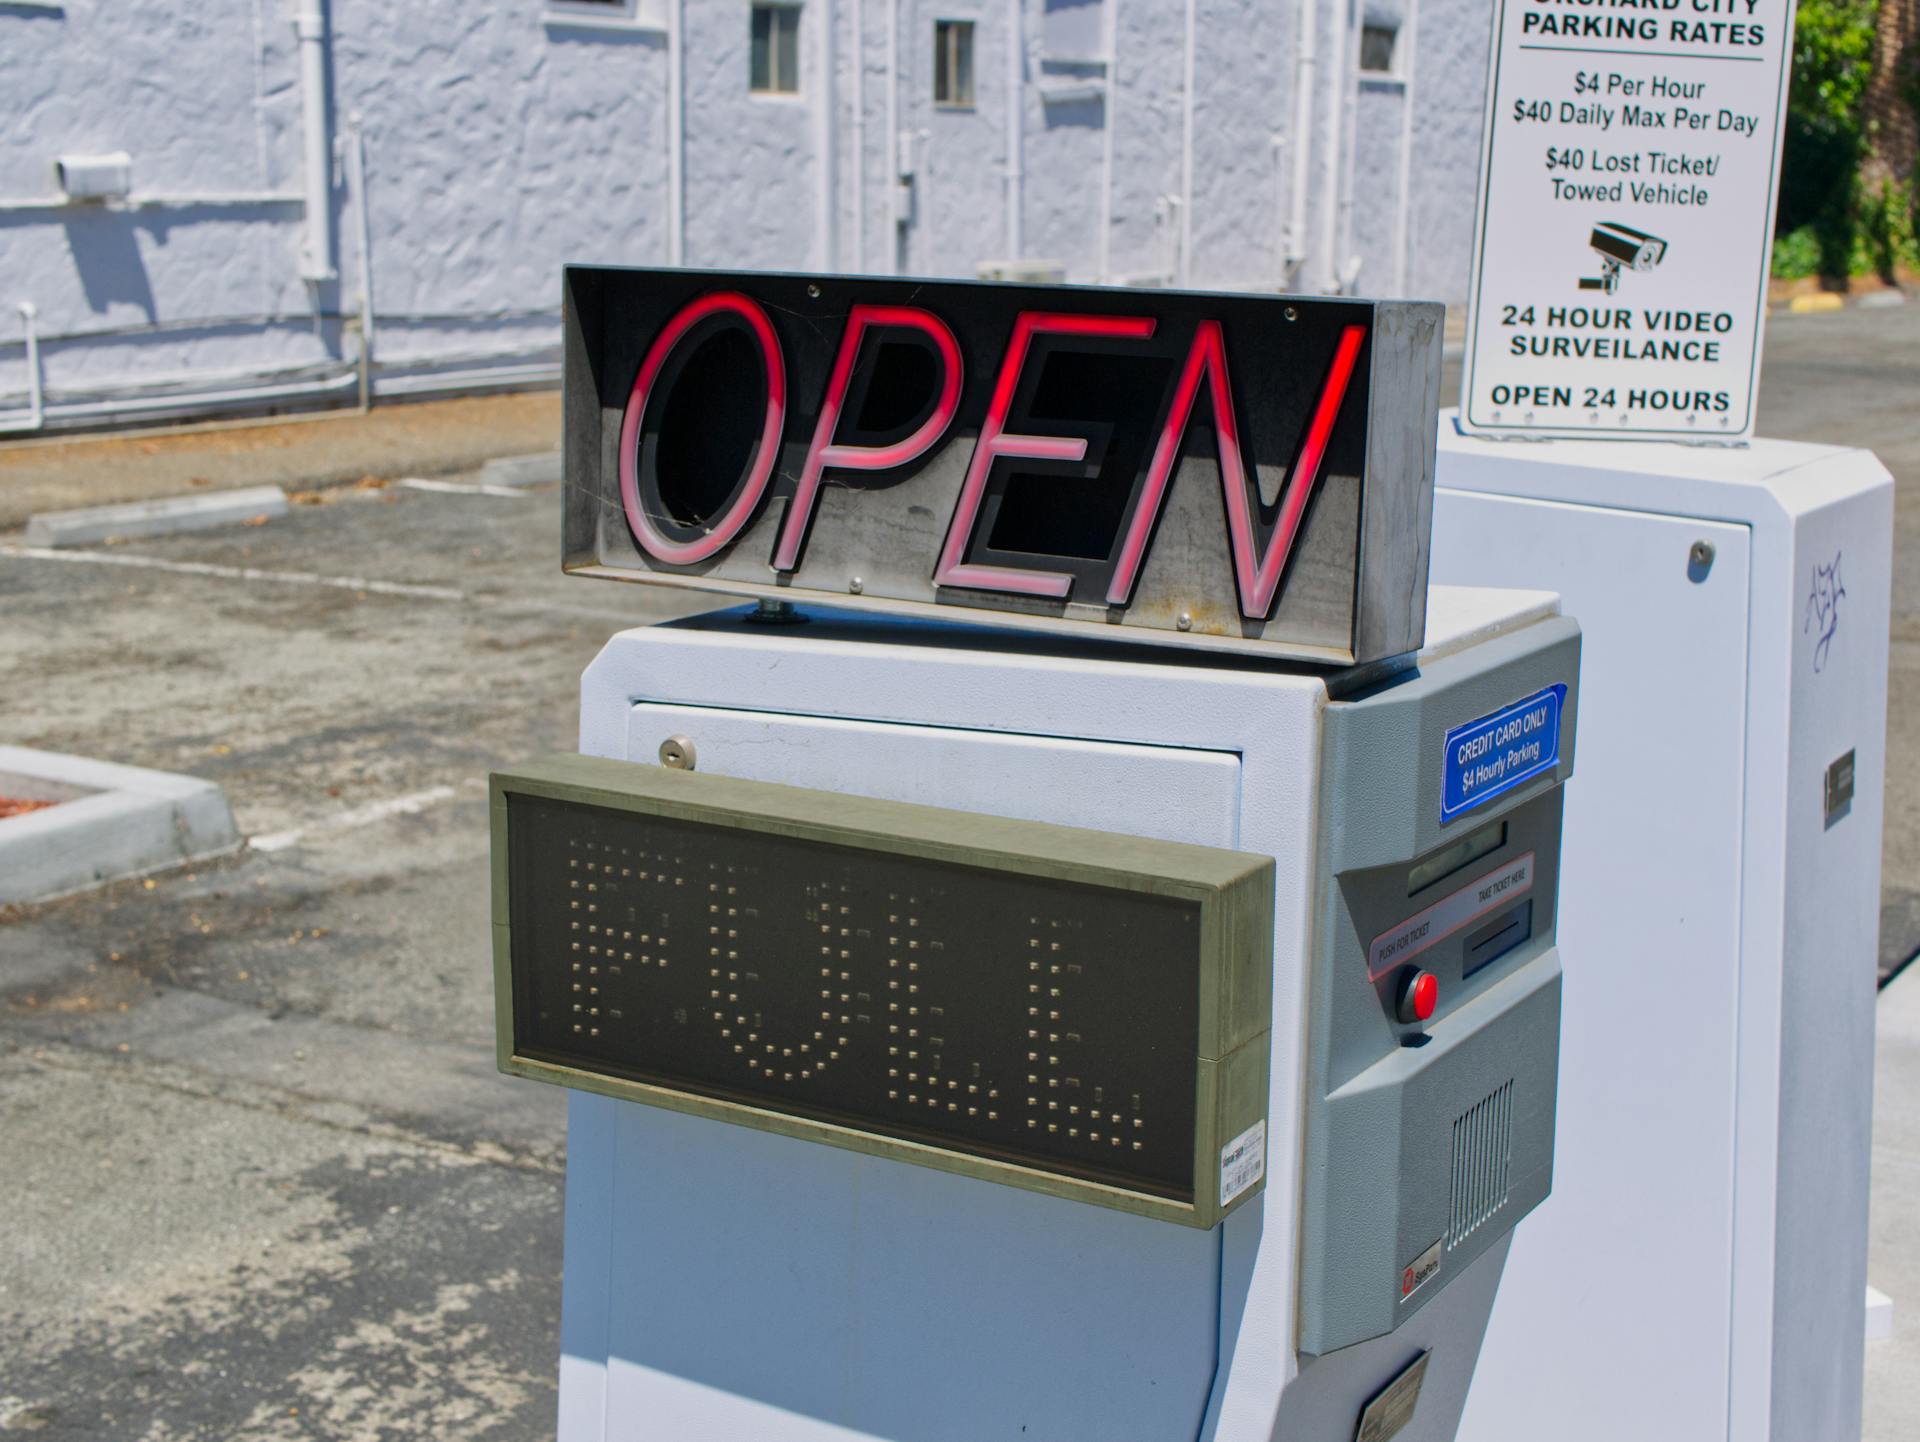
[[260, 1179]]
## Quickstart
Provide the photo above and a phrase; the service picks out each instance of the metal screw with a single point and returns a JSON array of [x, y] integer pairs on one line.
[[1185, 623], [1699, 560], [677, 752], [856, 585], [813, 292], [1292, 314]]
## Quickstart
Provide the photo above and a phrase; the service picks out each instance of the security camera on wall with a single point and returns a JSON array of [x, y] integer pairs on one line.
[[1621, 247]]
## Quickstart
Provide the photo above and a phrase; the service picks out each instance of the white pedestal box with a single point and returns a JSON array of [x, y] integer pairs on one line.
[[1698, 1270], [723, 1281]]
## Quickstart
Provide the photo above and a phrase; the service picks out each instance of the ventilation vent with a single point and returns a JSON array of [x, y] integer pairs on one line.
[[1482, 1145]]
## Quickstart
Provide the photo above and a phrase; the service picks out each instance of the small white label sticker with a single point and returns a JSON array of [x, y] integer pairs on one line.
[[1243, 1161]]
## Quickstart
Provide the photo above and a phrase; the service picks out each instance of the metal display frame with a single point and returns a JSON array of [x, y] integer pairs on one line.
[[1351, 592], [1233, 891]]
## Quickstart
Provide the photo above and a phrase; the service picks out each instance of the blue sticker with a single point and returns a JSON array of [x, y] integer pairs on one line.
[[1501, 751]]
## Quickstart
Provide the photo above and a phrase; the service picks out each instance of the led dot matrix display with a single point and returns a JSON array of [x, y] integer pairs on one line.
[[1073, 1011]]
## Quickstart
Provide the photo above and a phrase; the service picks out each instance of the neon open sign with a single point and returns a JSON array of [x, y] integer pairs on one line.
[[1249, 472]]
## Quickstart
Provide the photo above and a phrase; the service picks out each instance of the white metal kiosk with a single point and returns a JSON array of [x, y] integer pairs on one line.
[[722, 1281], [1707, 1235], [985, 1024]]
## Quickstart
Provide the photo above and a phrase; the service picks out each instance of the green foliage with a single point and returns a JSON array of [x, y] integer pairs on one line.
[[1821, 202], [1832, 59], [1881, 238], [1887, 230], [1796, 255]]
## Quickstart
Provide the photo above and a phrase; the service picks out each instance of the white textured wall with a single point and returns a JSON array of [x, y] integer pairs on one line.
[[500, 146], [1449, 101]]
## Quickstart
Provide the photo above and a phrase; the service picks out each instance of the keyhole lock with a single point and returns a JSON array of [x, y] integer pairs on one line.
[[677, 752]]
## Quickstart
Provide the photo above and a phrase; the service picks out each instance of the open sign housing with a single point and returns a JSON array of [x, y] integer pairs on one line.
[[1232, 471]]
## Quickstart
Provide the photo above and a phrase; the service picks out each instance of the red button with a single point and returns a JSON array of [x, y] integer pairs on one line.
[[1419, 994], [1425, 995]]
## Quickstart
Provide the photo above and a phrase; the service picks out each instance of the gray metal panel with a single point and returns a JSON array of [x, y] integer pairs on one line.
[[1426, 1143], [1380, 819], [1441, 1146]]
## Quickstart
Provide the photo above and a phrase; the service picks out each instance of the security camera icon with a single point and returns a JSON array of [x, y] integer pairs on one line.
[[1621, 247]]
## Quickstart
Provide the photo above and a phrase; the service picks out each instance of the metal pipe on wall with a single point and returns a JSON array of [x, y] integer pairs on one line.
[[358, 154], [859, 138], [511, 374], [211, 200], [1016, 99], [1343, 255], [1183, 270], [316, 257], [1334, 134], [824, 208], [36, 393], [1306, 64], [1410, 33], [923, 185], [1111, 44], [676, 135], [896, 185]]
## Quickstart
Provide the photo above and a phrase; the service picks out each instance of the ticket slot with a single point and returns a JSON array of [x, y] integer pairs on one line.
[[1497, 938]]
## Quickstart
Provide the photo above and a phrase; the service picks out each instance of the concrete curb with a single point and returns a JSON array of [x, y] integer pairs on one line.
[[114, 822], [531, 470], [1825, 302], [154, 518]]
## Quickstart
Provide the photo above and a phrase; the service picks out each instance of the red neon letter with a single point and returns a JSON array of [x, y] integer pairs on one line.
[[1257, 576], [994, 442], [822, 453], [727, 526]]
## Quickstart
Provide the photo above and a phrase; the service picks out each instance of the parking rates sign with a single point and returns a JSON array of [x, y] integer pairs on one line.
[[1626, 217]]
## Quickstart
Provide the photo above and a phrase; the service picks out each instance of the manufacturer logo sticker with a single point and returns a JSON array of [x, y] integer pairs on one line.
[[1419, 1271]]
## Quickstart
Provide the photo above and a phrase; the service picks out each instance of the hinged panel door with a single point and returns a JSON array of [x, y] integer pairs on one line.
[[1627, 1264]]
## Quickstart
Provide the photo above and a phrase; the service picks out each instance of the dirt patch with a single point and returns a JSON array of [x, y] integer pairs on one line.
[[306, 453]]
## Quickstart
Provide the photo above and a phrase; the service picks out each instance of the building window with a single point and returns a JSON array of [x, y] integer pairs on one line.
[[603, 15], [1074, 31], [776, 49], [1376, 48], [953, 64]]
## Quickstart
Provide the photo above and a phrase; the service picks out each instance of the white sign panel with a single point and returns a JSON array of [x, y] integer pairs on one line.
[[1626, 217]]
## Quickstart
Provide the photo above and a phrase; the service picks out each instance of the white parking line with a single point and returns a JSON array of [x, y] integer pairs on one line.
[[358, 816], [502, 605], [463, 488], [236, 573]]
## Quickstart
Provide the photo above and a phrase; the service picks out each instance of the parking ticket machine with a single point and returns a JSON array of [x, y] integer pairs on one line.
[[983, 1030]]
